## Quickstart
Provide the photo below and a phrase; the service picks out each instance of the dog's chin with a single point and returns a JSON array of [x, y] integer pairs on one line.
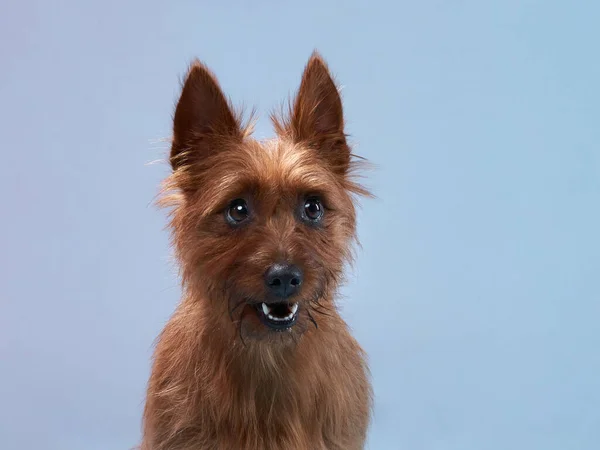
[[270, 322]]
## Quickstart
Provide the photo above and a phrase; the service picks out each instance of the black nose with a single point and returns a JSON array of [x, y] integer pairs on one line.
[[283, 280]]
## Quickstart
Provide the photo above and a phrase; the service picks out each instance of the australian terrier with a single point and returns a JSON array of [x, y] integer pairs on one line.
[[256, 356]]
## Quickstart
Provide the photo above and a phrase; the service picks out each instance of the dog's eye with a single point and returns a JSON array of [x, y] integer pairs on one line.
[[313, 209], [237, 211]]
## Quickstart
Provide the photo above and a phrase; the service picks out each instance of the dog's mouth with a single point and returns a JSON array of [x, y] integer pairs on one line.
[[278, 316]]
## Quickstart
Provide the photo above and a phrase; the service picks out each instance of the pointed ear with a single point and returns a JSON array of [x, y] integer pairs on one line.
[[317, 117], [202, 118]]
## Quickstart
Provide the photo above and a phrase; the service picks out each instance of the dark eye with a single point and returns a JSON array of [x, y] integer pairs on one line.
[[237, 211], [313, 209]]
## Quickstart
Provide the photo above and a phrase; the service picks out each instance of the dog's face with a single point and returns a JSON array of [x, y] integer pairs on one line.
[[262, 229]]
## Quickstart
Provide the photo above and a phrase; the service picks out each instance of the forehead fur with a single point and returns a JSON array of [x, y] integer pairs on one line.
[[276, 168]]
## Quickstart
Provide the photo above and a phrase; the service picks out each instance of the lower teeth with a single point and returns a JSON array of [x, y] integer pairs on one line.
[[280, 318], [292, 311]]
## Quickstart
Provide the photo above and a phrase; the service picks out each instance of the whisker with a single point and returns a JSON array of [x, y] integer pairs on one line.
[[316, 300], [321, 312], [241, 302], [312, 320], [318, 307], [240, 331]]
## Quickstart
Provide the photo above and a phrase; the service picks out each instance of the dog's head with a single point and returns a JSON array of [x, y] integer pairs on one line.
[[262, 229]]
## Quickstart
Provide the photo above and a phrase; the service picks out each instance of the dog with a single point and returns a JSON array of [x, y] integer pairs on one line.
[[256, 356]]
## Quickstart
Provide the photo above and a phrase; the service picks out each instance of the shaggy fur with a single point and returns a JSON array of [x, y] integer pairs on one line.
[[221, 379]]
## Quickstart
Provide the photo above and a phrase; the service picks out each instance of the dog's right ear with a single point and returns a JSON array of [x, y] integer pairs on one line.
[[203, 118]]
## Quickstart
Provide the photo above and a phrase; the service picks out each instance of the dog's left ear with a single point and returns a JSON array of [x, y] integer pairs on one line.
[[317, 118]]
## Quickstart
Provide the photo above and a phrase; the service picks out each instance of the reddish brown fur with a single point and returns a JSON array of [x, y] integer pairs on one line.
[[220, 378]]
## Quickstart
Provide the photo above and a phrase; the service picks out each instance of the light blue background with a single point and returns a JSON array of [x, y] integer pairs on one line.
[[476, 292]]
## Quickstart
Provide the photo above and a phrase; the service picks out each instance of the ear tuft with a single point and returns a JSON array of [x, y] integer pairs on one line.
[[202, 112]]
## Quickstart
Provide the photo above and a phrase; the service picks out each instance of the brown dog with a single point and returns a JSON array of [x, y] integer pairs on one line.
[[256, 356]]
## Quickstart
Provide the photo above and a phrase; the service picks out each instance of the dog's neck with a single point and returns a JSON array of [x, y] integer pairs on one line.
[[210, 377]]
